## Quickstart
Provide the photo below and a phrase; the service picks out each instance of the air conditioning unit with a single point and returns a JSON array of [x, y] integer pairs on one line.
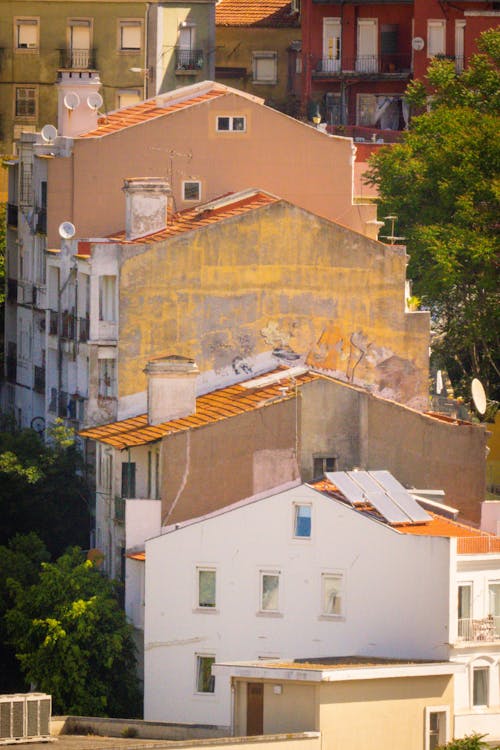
[[25, 717]]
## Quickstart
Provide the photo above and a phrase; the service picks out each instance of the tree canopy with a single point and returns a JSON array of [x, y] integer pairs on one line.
[[443, 184], [72, 639]]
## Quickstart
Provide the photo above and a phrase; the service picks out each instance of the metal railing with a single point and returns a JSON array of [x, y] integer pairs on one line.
[[39, 379], [188, 59], [477, 545], [487, 629], [391, 64], [12, 214], [77, 59]]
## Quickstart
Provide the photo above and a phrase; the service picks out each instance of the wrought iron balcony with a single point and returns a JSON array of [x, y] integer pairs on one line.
[[390, 65], [188, 59], [39, 380], [77, 59], [12, 214], [487, 629]]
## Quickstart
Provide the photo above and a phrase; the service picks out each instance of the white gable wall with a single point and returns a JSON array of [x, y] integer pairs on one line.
[[395, 602]]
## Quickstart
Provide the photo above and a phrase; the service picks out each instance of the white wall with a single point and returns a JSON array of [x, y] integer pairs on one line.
[[396, 596]]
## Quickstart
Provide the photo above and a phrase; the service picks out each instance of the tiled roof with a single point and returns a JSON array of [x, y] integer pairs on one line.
[[264, 13], [144, 111], [204, 215], [212, 407]]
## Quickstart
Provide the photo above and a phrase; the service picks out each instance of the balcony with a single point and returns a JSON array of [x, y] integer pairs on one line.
[[188, 60], [12, 213], [77, 59], [39, 379], [487, 629], [391, 66]]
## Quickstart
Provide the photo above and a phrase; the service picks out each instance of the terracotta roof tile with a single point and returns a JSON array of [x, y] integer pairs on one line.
[[212, 407], [264, 13]]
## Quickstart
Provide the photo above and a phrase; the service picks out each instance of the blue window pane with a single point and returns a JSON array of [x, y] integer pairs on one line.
[[303, 520]]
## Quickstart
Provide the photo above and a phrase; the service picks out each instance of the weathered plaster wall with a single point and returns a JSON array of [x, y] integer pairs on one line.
[[212, 467], [368, 432], [272, 278]]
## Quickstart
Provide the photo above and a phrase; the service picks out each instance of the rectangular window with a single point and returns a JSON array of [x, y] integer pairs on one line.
[[79, 35], [191, 190], [128, 479], [206, 587], [494, 604], [26, 31], [25, 105], [480, 677], [205, 681], [157, 476], [231, 124], [107, 378], [130, 35], [436, 727], [107, 298], [128, 97], [464, 611], [269, 592], [436, 40], [302, 521], [322, 464], [265, 67], [331, 594]]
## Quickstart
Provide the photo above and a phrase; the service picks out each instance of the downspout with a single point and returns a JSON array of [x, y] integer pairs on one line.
[[146, 51]]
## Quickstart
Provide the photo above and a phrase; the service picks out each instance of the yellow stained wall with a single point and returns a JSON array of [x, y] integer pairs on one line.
[[272, 277]]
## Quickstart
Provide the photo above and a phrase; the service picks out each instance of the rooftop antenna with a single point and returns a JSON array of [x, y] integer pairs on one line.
[[392, 237]]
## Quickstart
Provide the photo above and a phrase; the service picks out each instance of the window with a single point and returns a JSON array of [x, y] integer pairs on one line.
[[26, 31], [331, 594], [269, 592], [321, 464], [388, 38], [130, 35], [436, 726], [107, 298], [205, 681], [191, 190], [25, 105], [464, 611], [494, 604], [128, 479], [436, 43], [107, 378], [302, 521], [265, 67], [480, 676], [206, 588], [128, 97], [228, 124], [79, 43]]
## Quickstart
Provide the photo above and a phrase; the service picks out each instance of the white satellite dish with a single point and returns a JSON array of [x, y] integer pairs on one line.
[[478, 395], [48, 133], [417, 43], [94, 101], [67, 230], [71, 101]]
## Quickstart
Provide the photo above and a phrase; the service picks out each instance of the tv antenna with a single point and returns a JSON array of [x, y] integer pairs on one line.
[[392, 237]]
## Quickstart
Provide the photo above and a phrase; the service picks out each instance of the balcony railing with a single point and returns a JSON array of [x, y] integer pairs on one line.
[[77, 59], [393, 65], [188, 59], [39, 380], [12, 213], [487, 629], [478, 545]]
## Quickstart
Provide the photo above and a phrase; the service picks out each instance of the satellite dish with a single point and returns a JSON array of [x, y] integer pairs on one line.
[[417, 43], [71, 101], [478, 396], [439, 382], [67, 230], [38, 424], [48, 133], [95, 101]]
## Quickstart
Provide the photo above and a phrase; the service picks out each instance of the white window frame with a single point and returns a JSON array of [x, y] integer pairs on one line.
[[197, 664], [264, 55], [135, 23], [191, 182], [199, 607], [469, 585], [436, 24], [427, 724], [476, 666], [108, 286], [296, 510], [340, 576], [267, 610], [231, 128], [33, 21]]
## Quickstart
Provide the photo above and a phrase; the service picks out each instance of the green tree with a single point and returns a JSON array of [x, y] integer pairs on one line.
[[443, 183], [72, 639]]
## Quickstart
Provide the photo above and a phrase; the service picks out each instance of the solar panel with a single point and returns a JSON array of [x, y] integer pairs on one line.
[[348, 488], [400, 496], [387, 507]]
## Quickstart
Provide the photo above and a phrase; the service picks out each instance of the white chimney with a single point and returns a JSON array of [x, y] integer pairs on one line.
[[171, 388], [78, 101], [146, 204]]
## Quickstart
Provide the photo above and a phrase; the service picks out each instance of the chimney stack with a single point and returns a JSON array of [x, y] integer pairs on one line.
[[146, 203], [171, 388], [79, 101]]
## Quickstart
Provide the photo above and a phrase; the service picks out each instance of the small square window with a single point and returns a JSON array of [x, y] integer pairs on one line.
[[269, 592], [25, 102], [205, 681], [191, 190], [332, 585], [322, 464], [26, 32], [302, 523], [223, 123], [130, 36], [239, 123], [206, 588]]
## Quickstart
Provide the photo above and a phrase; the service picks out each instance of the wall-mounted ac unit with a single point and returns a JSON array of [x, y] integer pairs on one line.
[[25, 717]]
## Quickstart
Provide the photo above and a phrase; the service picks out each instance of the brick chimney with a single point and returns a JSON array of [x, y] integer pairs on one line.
[[171, 388], [146, 203]]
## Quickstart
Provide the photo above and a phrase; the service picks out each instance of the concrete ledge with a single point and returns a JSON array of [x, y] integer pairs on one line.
[[151, 730]]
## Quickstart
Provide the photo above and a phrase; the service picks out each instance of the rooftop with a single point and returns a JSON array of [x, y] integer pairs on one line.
[[211, 407], [260, 13]]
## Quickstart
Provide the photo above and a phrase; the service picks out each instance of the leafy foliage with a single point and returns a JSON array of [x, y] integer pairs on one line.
[[469, 742], [72, 639], [443, 183]]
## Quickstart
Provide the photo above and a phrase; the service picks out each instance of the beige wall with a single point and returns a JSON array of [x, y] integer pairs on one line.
[[277, 153], [374, 433], [294, 710]]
